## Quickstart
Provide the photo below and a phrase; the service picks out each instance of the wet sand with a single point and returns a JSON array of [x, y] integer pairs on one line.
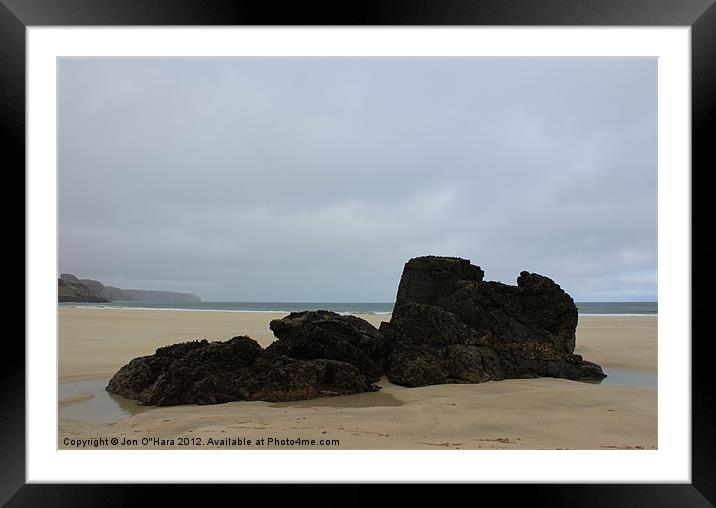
[[517, 414], [622, 342]]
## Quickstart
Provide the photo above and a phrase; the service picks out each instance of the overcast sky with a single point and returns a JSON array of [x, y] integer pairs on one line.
[[316, 179]]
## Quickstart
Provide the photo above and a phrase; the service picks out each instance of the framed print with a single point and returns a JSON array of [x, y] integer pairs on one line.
[[445, 245]]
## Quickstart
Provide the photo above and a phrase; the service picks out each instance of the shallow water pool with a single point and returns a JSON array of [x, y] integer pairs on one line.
[[88, 401], [636, 379]]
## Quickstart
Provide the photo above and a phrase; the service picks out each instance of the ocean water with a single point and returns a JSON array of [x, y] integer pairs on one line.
[[341, 307], [617, 308], [584, 308]]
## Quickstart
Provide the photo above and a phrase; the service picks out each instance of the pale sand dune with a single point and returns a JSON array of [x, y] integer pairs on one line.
[[518, 414]]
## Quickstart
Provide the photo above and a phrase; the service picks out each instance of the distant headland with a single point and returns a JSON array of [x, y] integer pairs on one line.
[[73, 289]]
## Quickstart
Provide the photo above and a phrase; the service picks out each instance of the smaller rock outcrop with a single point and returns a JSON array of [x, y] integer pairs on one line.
[[202, 372], [323, 334]]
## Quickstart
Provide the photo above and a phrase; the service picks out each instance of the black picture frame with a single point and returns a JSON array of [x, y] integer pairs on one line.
[[700, 15]]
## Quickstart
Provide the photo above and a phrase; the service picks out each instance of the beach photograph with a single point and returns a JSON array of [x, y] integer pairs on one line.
[[313, 253]]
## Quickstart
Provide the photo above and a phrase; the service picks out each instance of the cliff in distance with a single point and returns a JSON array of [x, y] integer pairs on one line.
[[69, 291], [73, 289]]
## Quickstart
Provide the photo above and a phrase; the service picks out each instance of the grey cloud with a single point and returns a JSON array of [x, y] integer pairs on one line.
[[316, 179]]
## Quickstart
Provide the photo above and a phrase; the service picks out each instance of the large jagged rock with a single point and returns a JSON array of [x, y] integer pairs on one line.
[[323, 334], [451, 326], [202, 372]]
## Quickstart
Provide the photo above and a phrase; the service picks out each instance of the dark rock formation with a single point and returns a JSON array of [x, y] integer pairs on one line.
[[448, 326], [109, 293], [451, 326], [70, 291], [203, 372], [323, 334]]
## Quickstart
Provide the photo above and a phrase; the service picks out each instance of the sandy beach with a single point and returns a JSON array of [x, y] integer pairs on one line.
[[519, 414]]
